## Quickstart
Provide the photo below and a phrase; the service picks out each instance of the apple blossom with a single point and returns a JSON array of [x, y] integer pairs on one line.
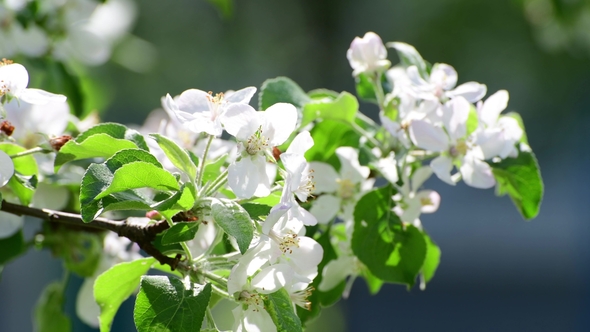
[[340, 190], [439, 85], [497, 135], [257, 133], [454, 146], [367, 54], [200, 111], [411, 202], [14, 79]]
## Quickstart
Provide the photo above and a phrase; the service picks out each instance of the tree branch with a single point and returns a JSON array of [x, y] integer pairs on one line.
[[143, 235]]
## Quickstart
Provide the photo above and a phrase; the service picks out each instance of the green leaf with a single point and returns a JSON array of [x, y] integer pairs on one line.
[[25, 168], [125, 200], [49, 313], [318, 94], [225, 7], [182, 200], [166, 304], [180, 232], [409, 56], [281, 90], [343, 108], [280, 308], [257, 210], [365, 89], [115, 285], [472, 121], [140, 174], [520, 178], [213, 169], [99, 177], [177, 155], [329, 135], [432, 260], [103, 140], [392, 251], [271, 200], [11, 247], [234, 220]]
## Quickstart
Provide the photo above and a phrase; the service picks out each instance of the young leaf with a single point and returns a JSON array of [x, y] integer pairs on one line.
[[167, 304], [177, 155], [234, 220], [432, 260], [99, 178], [281, 90], [520, 178], [180, 232], [256, 210], [280, 308], [329, 135], [103, 140], [392, 251], [49, 313], [115, 285], [365, 89], [140, 174], [409, 56], [25, 167], [343, 108]]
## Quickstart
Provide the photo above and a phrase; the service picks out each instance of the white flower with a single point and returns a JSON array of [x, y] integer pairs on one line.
[[439, 85], [29, 119], [341, 191], [299, 183], [200, 111], [411, 202], [14, 79], [257, 133], [454, 146], [367, 54], [497, 135]]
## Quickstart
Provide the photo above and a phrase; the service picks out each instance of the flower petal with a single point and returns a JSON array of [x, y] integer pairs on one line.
[[324, 177], [244, 175], [241, 96], [301, 143], [325, 208], [240, 121], [472, 91], [493, 106], [272, 278], [427, 136], [279, 122], [477, 173], [442, 167]]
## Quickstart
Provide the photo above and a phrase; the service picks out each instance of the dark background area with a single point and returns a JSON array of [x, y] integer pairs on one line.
[[498, 272]]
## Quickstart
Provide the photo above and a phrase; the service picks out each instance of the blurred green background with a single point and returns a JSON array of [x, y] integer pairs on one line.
[[497, 271]]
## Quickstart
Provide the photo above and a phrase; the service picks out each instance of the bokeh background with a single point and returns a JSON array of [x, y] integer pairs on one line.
[[498, 272]]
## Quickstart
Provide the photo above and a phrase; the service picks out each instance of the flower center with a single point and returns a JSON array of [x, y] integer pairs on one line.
[[460, 149], [345, 189], [288, 242], [424, 201], [252, 299], [5, 62], [300, 298], [307, 184], [256, 143], [216, 102]]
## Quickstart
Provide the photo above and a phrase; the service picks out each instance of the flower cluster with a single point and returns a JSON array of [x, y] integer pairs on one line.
[[81, 30], [270, 209]]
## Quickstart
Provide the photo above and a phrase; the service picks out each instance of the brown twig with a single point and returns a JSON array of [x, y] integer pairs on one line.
[[143, 235]]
